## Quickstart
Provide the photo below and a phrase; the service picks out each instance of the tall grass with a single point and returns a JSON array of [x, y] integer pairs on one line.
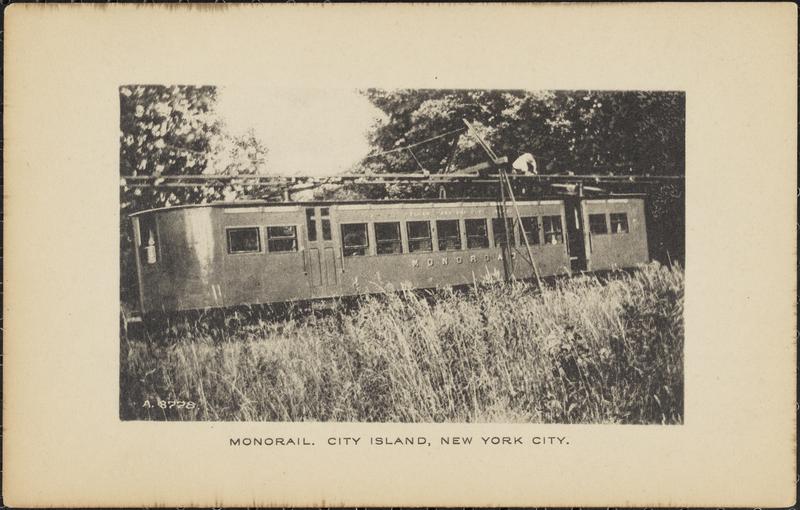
[[584, 350]]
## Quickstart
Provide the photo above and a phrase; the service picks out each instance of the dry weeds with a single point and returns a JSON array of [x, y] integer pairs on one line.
[[586, 350]]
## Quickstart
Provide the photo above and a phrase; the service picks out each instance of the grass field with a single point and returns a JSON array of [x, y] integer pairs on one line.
[[585, 350]]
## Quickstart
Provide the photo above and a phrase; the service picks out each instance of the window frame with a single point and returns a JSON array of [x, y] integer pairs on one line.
[[550, 218], [142, 247], [412, 239], [311, 224], [439, 237], [378, 241], [605, 224], [509, 227], [325, 223], [538, 240], [624, 216], [267, 238], [228, 231], [366, 246], [485, 233], [327, 230]]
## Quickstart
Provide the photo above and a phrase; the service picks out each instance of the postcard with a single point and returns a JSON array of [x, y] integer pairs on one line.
[[400, 255]]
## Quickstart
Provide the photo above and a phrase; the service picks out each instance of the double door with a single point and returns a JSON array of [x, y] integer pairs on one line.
[[320, 256]]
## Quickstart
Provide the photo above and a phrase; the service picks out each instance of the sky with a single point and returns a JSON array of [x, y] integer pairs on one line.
[[314, 132]]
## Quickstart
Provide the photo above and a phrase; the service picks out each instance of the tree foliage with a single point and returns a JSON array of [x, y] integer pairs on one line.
[[606, 132], [175, 130]]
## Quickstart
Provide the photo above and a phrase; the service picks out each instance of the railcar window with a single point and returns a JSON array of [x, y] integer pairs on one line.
[[449, 235], [326, 229], [354, 239], [311, 224], [477, 235], [619, 223], [148, 239], [553, 234], [597, 224], [503, 235], [244, 240], [530, 228], [281, 239], [387, 238], [419, 236], [326, 224]]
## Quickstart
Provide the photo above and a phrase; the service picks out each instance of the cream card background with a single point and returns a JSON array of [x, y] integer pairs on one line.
[[63, 442]]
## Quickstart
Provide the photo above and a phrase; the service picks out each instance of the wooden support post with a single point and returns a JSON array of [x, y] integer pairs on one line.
[[453, 151], [416, 160], [481, 141], [507, 248], [587, 235], [524, 237]]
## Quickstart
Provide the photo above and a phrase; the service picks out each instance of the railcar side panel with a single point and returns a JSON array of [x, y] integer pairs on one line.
[[176, 273], [624, 242], [433, 266], [550, 253], [254, 270]]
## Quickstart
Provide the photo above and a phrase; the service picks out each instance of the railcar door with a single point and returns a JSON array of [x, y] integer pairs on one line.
[[320, 256]]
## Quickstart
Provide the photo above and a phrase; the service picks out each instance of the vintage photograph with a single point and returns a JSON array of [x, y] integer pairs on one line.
[[405, 255]]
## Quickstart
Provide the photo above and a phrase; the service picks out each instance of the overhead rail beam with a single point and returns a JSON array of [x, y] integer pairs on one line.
[[210, 180]]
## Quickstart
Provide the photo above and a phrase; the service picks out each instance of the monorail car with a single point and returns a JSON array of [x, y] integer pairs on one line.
[[230, 254]]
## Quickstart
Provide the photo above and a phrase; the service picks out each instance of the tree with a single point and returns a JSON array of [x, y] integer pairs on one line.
[[168, 131], [578, 131]]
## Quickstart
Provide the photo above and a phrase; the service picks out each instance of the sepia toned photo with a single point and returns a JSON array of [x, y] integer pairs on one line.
[[399, 255], [407, 255]]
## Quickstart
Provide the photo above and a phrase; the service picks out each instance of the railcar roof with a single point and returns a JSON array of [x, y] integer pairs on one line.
[[318, 203]]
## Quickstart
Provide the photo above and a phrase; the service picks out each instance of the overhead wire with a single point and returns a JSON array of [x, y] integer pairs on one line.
[[410, 146]]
